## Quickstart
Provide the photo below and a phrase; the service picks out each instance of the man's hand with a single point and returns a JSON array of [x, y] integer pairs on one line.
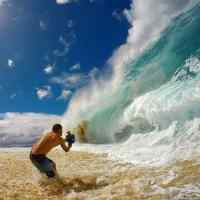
[[64, 147]]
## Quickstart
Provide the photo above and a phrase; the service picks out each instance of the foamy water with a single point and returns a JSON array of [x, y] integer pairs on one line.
[[86, 176]]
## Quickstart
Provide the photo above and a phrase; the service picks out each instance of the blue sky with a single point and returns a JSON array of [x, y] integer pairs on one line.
[[49, 50]]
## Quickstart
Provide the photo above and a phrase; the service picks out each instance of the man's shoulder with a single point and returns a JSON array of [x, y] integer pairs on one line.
[[48, 134], [56, 136], [60, 139]]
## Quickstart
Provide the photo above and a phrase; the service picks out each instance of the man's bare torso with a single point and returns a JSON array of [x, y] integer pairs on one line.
[[46, 143]]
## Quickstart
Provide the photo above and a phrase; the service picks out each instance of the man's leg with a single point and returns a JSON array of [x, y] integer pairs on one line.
[[54, 173], [50, 174], [53, 163], [37, 162], [50, 168]]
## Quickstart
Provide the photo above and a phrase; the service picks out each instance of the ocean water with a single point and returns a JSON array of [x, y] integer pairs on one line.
[[151, 115]]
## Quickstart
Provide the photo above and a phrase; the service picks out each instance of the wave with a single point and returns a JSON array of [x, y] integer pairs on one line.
[[154, 105]]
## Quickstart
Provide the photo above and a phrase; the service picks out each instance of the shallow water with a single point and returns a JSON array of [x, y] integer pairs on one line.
[[87, 176]]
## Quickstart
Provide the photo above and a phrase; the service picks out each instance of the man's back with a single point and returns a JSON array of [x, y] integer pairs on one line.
[[46, 143]]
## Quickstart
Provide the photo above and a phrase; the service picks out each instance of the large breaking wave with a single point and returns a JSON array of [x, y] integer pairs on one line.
[[152, 101]]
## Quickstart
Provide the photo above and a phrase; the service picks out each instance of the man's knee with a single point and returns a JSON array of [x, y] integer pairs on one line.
[[51, 174], [53, 163]]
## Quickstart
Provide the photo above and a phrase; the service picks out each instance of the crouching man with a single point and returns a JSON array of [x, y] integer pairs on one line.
[[41, 148]]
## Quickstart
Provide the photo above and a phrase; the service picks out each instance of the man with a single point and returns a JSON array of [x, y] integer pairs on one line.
[[43, 146]]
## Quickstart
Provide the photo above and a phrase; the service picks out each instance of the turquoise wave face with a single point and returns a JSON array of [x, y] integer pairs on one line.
[[177, 45]]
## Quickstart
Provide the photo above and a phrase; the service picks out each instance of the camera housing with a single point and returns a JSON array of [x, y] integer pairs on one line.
[[70, 138]]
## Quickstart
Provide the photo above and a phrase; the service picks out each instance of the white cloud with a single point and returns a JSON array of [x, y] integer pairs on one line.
[[49, 69], [43, 25], [70, 23], [63, 41], [12, 96], [65, 1], [44, 92], [129, 15], [59, 53], [11, 64], [22, 129], [117, 15], [69, 80], [65, 94], [75, 67], [65, 45]]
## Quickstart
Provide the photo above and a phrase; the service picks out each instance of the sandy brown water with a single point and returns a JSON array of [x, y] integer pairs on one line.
[[87, 176]]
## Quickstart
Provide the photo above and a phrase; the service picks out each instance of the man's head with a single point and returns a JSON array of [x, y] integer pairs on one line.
[[57, 128]]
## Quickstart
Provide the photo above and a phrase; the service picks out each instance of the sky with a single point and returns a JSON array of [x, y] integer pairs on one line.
[[50, 49]]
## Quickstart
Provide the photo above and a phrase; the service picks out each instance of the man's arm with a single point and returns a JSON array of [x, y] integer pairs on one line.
[[64, 147]]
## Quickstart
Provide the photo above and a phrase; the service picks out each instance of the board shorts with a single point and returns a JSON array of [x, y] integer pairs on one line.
[[43, 164]]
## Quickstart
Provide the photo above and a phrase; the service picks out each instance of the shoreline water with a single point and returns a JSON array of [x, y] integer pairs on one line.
[[90, 176]]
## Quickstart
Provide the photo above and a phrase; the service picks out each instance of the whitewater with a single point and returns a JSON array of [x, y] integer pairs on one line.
[[147, 111]]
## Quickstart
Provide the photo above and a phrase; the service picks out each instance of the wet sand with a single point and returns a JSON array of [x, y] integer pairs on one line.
[[87, 176]]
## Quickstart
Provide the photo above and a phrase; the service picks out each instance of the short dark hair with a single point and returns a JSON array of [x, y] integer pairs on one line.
[[56, 127]]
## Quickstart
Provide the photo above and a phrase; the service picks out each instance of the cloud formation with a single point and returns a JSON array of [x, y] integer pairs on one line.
[[44, 92], [11, 64], [117, 15], [70, 23], [75, 67], [66, 45], [67, 80], [22, 129], [43, 25], [65, 1], [49, 69], [65, 94], [12, 96]]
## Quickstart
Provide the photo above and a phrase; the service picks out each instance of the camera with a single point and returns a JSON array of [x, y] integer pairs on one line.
[[70, 138]]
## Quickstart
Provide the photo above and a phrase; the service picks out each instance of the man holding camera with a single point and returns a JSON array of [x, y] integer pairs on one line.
[[44, 145]]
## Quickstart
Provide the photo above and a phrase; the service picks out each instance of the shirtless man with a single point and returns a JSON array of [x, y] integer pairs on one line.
[[43, 146]]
